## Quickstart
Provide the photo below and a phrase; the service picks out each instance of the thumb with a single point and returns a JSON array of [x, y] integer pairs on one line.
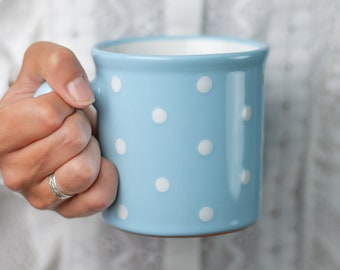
[[45, 61]]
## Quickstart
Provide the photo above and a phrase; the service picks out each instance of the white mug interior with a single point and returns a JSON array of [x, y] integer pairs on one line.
[[183, 46]]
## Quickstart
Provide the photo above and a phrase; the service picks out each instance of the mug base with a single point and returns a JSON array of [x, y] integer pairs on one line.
[[189, 236]]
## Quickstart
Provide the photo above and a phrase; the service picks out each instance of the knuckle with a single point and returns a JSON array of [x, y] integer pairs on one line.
[[48, 115], [85, 171], [58, 58], [38, 203], [66, 214], [74, 136], [83, 175], [14, 180], [100, 203]]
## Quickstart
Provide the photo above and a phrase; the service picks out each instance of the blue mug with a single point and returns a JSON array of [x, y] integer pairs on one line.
[[182, 119]]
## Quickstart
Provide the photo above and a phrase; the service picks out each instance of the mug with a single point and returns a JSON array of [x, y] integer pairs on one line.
[[182, 119]]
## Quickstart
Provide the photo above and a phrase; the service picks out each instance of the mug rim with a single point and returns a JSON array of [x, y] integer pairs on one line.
[[255, 48]]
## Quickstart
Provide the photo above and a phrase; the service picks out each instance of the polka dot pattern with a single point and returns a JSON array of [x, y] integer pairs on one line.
[[120, 146], [162, 184], [122, 212], [116, 84], [159, 116], [205, 147], [206, 214], [245, 177], [204, 84], [246, 113]]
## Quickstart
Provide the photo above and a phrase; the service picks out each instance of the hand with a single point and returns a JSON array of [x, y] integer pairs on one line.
[[53, 133]]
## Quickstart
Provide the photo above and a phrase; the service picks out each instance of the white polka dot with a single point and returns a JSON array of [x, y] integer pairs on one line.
[[116, 84], [206, 214], [162, 184], [120, 146], [205, 147], [204, 84], [159, 116], [245, 177], [246, 113], [122, 212], [235, 222]]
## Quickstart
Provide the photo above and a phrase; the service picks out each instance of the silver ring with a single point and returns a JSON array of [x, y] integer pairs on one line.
[[53, 185]]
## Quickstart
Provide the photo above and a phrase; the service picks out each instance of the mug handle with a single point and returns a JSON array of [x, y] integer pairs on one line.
[[45, 88]]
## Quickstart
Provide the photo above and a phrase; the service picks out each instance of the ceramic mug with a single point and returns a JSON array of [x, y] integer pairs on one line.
[[182, 119]]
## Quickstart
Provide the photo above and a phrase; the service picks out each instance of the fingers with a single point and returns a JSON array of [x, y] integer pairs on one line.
[[27, 166], [31, 119], [98, 197], [78, 174], [76, 163], [91, 114], [60, 68], [73, 177], [47, 135]]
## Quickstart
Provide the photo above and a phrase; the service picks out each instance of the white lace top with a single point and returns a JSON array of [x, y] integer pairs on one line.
[[299, 225]]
